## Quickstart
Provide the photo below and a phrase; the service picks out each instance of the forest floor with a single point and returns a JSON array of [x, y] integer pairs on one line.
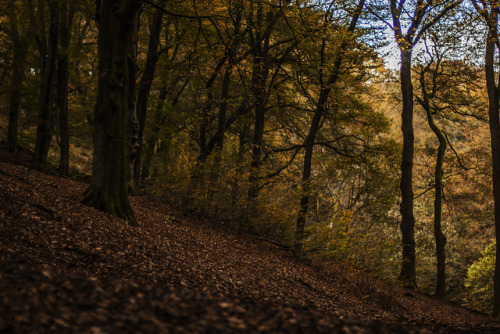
[[68, 268]]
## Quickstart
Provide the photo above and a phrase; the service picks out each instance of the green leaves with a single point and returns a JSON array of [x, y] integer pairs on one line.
[[479, 281]]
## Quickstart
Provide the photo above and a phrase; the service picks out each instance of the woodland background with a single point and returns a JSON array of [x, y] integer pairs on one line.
[[227, 96]]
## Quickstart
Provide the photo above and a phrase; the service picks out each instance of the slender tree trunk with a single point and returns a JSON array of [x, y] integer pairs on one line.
[[134, 126], [117, 22], [145, 84], [260, 47], [66, 22], [408, 273], [47, 69], [306, 182], [21, 41], [19, 61], [221, 126], [313, 130], [226, 82], [152, 140], [438, 198], [236, 189], [256, 158], [221, 130], [494, 118]]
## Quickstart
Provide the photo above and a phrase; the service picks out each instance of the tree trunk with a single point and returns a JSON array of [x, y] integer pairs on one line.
[[306, 182], [151, 142], [221, 129], [20, 43], [66, 22], [313, 130], [117, 23], [408, 274], [256, 159], [494, 109], [134, 126], [438, 180], [226, 82], [47, 69], [145, 84], [19, 61], [260, 72], [221, 126]]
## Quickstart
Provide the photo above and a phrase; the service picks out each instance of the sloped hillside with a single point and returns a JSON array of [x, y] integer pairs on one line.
[[65, 267]]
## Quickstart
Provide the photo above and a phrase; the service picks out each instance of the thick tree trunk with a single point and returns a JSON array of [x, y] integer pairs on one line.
[[494, 118], [145, 84], [66, 22], [47, 69], [408, 274], [116, 56]]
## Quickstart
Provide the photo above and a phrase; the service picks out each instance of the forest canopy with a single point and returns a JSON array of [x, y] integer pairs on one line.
[[284, 119]]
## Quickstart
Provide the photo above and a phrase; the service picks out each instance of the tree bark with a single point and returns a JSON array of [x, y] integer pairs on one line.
[[66, 22], [438, 232], [144, 86], [226, 82], [153, 138], [494, 118], [117, 22], [15, 103], [21, 46], [408, 272], [259, 41], [47, 69]]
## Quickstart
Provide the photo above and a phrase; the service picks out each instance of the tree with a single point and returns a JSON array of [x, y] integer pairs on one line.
[[117, 24], [21, 40], [489, 12], [144, 86], [267, 56], [67, 11], [321, 107], [48, 51], [426, 102], [415, 17]]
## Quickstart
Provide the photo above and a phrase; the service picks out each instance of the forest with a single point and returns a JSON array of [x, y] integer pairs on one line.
[[361, 131]]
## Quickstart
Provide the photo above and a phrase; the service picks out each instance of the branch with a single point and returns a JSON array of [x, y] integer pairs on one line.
[[424, 192], [185, 16], [455, 152], [278, 172], [435, 20]]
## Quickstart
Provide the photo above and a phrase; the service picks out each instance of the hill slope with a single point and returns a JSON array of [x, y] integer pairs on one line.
[[66, 267]]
